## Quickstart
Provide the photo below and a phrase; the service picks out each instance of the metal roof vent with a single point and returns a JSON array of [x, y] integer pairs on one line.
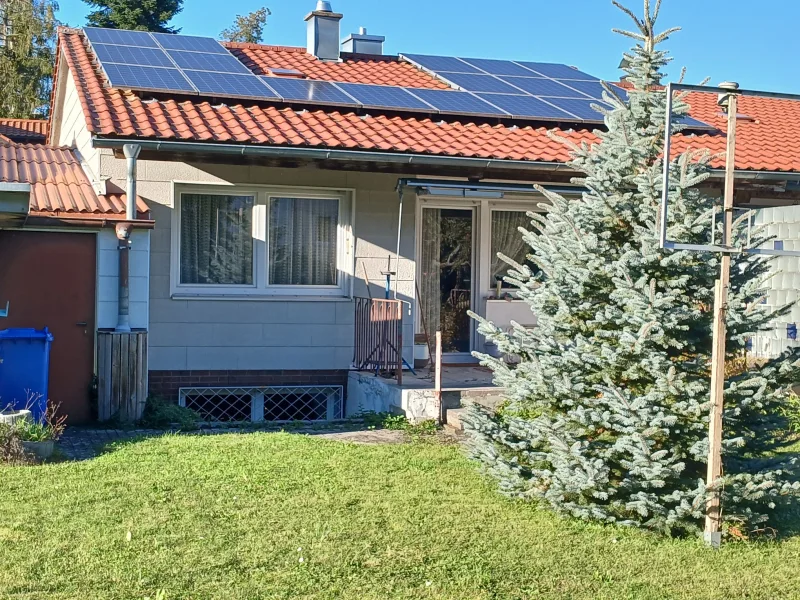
[[323, 32], [361, 43]]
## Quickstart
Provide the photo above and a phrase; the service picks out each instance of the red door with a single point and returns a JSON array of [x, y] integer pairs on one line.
[[49, 280]]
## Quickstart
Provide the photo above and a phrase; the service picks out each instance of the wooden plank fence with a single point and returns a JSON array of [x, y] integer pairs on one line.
[[121, 375]]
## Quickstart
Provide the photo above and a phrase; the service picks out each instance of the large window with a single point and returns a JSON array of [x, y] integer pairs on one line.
[[216, 239], [261, 242], [302, 241], [507, 239]]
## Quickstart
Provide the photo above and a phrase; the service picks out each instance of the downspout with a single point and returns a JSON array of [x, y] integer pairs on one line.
[[124, 236], [399, 234]]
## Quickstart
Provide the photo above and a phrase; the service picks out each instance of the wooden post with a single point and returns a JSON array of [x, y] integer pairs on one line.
[[713, 506], [437, 382], [399, 343]]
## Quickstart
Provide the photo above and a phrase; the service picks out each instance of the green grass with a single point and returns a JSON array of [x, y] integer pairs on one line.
[[230, 517]]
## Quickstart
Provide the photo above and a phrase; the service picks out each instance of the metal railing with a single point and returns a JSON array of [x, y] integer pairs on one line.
[[379, 336]]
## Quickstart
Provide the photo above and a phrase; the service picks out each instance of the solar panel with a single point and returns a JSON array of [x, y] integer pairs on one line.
[[480, 83], [441, 64], [526, 106], [230, 84], [132, 55], [147, 78], [458, 102], [306, 90], [499, 67], [594, 89], [382, 96], [205, 61], [120, 37], [171, 41], [557, 71], [540, 86], [580, 108]]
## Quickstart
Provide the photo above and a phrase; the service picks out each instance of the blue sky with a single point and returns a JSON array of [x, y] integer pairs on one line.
[[754, 43]]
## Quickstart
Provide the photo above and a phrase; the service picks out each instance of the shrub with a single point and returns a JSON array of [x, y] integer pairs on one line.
[[161, 414], [11, 450]]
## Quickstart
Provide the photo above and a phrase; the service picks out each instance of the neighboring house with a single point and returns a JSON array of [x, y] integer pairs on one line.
[[273, 217], [24, 131]]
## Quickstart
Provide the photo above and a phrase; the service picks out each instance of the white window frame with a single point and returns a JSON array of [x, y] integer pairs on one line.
[[493, 207], [261, 289]]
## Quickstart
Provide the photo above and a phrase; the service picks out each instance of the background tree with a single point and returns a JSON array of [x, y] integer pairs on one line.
[[143, 15], [607, 415], [27, 45], [248, 28]]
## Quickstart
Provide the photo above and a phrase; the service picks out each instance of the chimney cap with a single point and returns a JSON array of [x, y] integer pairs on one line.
[[323, 6], [729, 85]]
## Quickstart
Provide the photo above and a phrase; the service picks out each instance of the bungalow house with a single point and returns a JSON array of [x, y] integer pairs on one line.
[[294, 189]]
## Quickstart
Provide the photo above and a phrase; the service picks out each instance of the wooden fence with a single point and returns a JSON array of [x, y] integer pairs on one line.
[[379, 336], [121, 375]]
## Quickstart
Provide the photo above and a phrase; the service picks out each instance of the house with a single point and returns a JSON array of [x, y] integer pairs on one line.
[[282, 219]]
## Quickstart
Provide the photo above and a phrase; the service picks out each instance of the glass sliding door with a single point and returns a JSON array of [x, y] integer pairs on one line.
[[446, 275]]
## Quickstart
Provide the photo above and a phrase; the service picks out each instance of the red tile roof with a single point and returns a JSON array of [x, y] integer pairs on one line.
[[770, 142], [354, 69], [24, 130], [59, 185]]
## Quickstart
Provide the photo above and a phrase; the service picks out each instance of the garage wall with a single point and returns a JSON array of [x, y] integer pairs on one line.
[[108, 279]]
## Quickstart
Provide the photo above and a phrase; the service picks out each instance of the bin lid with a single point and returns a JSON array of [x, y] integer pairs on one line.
[[26, 334]]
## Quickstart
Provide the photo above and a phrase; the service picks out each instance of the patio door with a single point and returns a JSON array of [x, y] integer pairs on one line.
[[447, 276]]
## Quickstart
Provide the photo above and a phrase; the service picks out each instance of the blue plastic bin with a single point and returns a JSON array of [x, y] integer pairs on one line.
[[24, 369]]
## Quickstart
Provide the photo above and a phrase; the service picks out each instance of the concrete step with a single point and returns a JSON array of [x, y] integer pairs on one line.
[[490, 398], [453, 418]]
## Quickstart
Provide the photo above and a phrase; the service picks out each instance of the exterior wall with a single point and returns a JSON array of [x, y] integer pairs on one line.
[[784, 286], [165, 384], [265, 336], [108, 279], [72, 130]]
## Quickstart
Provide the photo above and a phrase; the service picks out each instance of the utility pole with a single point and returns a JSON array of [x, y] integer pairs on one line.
[[713, 535]]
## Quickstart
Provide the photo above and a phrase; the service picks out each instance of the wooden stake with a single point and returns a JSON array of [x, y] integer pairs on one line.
[[437, 382], [713, 506]]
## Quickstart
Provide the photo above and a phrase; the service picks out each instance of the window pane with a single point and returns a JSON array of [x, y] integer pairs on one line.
[[507, 239], [216, 239], [302, 241]]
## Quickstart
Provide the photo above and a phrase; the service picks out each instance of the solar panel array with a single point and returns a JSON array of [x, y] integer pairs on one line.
[[160, 62], [524, 89]]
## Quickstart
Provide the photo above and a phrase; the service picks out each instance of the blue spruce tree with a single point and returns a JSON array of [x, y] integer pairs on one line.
[[607, 410]]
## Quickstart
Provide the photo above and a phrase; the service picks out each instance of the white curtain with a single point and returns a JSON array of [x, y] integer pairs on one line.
[[507, 239], [302, 241], [216, 239], [431, 269]]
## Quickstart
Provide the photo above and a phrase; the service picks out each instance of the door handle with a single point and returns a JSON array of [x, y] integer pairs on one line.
[[82, 324]]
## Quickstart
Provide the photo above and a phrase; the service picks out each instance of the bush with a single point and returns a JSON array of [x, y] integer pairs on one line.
[[11, 450], [161, 414]]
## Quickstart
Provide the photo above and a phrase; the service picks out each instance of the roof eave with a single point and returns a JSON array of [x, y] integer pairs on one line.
[[326, 154]]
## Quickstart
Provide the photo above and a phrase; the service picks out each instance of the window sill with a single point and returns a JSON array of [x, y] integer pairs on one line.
[[261, 298]]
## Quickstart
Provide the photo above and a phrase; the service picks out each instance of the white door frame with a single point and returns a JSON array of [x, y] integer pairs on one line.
[[482, 286]]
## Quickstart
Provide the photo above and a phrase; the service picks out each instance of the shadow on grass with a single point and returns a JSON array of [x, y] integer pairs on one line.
[[81, 444]]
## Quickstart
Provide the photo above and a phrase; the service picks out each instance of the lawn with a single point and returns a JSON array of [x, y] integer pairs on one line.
[[286, 516]]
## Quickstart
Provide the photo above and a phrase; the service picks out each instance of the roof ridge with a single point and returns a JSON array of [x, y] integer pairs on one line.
[[271, 47]]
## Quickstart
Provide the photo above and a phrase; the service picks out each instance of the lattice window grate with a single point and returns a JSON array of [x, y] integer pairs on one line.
[[277, 404]]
